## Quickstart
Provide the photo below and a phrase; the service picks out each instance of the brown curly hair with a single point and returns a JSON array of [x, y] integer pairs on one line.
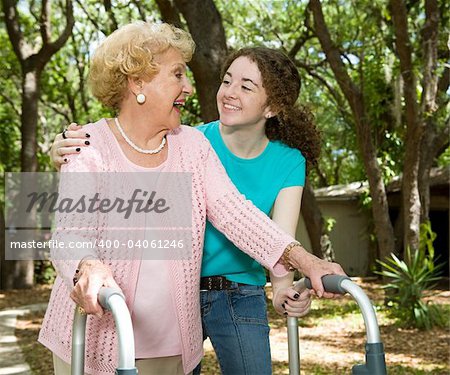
[[294, 124]]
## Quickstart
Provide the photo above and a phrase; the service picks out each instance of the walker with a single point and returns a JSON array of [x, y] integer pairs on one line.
[[375, 361], [114, 301]]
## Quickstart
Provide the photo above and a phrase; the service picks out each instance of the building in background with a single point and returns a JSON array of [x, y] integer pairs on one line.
[[352, 230]]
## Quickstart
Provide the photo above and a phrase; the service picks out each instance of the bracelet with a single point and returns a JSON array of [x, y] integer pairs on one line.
[[285, 258]]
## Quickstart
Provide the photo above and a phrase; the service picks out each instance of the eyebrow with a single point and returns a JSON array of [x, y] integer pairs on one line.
[[244, 79], [179, 65]]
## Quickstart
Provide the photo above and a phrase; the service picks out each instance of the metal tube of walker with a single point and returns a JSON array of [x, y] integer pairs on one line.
[[78, 342], [112, 300], [375, 358], [293, 339], [293, 346]]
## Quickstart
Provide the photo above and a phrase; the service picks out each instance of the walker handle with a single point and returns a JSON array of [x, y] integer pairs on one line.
[[105, 294], [375, 358], [331, 283], [112, 300]]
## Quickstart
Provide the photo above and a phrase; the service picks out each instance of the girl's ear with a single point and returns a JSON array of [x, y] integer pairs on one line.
[[268, 113]]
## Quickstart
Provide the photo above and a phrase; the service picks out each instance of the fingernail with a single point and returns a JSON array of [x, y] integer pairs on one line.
[[87, 143], [319, 294], [282, 305], [285, 301], [78, 149], [296, 295], [65, 160], [88, 135]]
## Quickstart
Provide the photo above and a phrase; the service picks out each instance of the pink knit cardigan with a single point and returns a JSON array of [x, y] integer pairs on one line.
[[213, 196]]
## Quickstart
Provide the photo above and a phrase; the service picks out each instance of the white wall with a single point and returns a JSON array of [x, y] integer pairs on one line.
[[350, 235]]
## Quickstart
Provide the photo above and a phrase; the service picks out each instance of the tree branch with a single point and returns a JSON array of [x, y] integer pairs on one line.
[[430, 47], [92, 20], [334, 94], [299, 43], [403, 46], [56, 109], [20, 47], [70, 21], [81, 66], [443, 85], [36, 17], [44, 22], [349, 89], [13, 103], [111, 16], [169, 12], [141, 11], [442, 139]]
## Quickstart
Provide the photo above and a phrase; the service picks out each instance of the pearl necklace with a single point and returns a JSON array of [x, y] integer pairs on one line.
[[137, 148]]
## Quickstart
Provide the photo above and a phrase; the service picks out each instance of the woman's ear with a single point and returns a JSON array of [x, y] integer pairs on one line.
[[135, 85]]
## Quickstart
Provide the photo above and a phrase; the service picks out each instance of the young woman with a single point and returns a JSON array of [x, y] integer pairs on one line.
[[262, 139]]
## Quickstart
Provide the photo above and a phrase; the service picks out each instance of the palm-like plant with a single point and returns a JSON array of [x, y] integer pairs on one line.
[[409, 278]]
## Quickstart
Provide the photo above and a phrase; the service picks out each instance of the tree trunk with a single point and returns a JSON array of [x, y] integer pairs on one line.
[[426, 163], [3, 272], [20, 274], [205, 25], [435, 139], [313, 220], [29, 120], [380, 211], [415, 127], [417, 118]]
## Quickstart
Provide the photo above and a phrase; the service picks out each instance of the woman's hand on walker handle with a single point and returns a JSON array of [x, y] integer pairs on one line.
[[314, 268], [92, 275], [75, 139]]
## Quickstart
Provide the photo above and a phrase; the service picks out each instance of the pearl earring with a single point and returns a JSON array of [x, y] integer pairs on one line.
[[140, 98]]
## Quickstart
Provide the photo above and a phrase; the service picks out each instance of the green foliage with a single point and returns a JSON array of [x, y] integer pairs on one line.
[[9, 108], [409, 278], [329, 224], [44, 273], [444, 159]]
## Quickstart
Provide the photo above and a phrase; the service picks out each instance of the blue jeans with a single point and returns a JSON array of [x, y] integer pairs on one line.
[[236, 322]]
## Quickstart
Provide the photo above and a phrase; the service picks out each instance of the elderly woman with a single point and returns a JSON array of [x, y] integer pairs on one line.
[[140, 70]]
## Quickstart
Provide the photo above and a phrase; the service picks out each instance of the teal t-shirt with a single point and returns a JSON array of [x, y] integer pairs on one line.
[[260, 179]]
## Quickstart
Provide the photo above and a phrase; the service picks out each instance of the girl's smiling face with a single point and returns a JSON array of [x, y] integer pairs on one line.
[[242, 99]]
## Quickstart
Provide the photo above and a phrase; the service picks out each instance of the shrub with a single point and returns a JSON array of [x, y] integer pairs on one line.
[[409, 278]]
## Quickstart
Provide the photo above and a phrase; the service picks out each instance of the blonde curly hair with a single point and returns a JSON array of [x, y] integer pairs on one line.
[[129, 52]]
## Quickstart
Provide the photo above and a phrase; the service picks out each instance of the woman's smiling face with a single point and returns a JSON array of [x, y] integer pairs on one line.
[[166, 92], [241, 99]]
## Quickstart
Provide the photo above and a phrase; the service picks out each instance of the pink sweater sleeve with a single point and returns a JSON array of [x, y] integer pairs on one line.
[[240, 220], [76, 231]]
